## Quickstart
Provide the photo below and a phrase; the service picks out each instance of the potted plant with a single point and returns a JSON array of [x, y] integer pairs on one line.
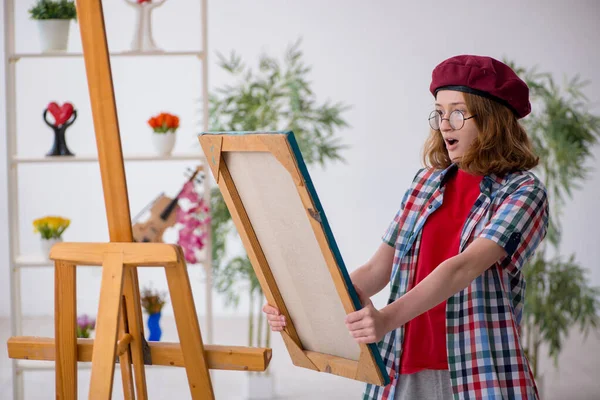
[[50, 229], [53, 18], [558, 295], [164, 126], [274, 96], [85, 326], [152, 303]]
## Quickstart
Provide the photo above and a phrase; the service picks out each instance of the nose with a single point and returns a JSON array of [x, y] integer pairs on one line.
[[445, 125]]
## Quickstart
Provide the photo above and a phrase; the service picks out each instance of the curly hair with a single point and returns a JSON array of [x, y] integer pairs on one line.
[[501, 147]]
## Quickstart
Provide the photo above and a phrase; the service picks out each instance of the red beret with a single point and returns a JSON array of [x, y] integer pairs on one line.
[[483, 76]]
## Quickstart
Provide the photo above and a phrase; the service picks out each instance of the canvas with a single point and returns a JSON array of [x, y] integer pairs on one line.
[[275, 207]]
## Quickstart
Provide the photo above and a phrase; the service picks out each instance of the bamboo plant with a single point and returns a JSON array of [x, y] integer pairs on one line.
[[274, 96], [558, 295]]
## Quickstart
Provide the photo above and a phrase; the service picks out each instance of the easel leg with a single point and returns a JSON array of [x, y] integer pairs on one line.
[[189, 331], [103, 355], [65, 320], [136, 329], [125, 358]]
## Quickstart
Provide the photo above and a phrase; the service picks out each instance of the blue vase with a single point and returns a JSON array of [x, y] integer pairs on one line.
[[154, 327]]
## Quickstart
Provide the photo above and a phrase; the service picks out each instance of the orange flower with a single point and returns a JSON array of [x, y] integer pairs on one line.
[[164, 122], [168, 120]]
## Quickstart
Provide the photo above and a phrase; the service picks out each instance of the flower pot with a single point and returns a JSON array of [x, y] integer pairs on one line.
[[46, 245], [154, 327], [54, 34], [260, 385], [163, 143]]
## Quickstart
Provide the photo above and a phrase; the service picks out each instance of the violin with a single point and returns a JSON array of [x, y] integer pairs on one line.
[[163, 215]]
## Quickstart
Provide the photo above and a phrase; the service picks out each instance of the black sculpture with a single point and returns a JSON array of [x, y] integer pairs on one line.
[[63, 118]]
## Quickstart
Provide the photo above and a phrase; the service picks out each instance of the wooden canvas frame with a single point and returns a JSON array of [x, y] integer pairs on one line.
[[220, 147]]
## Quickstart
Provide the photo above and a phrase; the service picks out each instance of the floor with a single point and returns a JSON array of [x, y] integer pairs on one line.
[[576, 378]]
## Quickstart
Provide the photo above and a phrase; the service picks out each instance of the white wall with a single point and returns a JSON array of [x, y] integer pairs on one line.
[[376, 56]]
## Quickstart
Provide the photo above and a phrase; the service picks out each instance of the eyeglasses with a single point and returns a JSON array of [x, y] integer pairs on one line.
[[457, 119]]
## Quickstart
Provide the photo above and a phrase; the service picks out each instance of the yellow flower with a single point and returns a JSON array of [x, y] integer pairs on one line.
[[51, 226]]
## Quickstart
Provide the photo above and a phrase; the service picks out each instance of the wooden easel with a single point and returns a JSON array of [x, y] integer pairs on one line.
[[119, 330]]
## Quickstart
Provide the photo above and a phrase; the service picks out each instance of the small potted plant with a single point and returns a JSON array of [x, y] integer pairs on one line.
[[53, 19], [164, 126], [153, 302], [85, 326], [50, 229]]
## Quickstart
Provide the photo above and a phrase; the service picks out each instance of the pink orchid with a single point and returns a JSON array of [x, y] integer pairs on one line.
[[189, 193], [193, 221]]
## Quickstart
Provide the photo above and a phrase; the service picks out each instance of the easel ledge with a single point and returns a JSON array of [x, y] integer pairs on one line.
[[231, 358]]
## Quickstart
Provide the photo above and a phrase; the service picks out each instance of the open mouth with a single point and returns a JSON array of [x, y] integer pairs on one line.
[[451, 141]]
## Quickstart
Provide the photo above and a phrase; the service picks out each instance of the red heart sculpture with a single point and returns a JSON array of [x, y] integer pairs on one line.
[[61, 114]]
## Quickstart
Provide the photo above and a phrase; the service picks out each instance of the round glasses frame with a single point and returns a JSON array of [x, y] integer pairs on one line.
[[457, 119]]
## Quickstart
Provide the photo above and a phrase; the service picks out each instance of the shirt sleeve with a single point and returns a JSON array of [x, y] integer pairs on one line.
[[519, 224], [395, 227]]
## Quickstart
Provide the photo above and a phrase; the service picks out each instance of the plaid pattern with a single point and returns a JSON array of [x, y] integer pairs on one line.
[[485, 356]]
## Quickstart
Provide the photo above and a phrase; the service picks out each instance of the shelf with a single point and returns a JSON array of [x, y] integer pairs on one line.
[[31, 365], [25, 261], [33, 261], [59, 54], [93, 157]]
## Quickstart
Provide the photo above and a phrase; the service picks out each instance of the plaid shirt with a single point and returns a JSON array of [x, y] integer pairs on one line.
[[485, 357]]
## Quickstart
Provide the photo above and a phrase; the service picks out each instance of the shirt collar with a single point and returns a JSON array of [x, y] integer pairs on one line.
[[487, 183]]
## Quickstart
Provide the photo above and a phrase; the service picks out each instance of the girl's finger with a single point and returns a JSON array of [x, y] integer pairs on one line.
[[276, 323], [270, 310], [355, 316], [361, 333], [361, 324], [271, 317]]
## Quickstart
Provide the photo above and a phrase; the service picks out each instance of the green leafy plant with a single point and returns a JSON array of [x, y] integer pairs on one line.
[[53, 9], [558, 295], [276, 96]]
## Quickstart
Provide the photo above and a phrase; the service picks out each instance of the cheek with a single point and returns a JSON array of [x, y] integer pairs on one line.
[[470, 136]]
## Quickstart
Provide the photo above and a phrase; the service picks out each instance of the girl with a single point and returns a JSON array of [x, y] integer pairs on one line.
[[455, 250]]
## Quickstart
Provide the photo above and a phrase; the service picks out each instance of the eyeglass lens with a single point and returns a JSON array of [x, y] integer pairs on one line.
[[456, 120]]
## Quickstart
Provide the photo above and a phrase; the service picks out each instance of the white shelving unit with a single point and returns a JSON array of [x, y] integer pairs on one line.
[[199, 54], [20, 261], [94, 157]]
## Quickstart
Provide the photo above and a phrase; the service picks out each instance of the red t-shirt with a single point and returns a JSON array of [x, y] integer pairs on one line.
[[425, 335]]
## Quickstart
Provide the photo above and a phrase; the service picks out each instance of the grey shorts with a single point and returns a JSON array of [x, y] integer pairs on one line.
[[424, 385]]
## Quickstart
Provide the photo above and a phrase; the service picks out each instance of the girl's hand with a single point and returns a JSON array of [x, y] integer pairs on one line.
[[274, 318], [367, 325]]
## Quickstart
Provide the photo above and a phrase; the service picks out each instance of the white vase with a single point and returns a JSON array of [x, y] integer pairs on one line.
[[163, 142], [54, 34], [142, 36], [260, 385], [46, 245]]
